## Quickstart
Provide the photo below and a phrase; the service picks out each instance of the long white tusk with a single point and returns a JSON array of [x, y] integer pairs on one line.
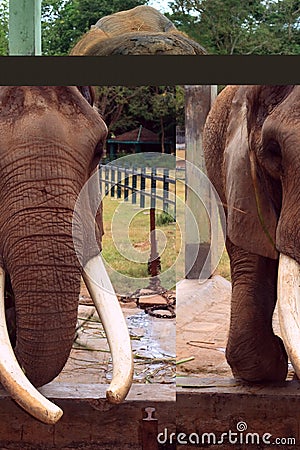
[[289, 308], [110, 313], [13, 379]]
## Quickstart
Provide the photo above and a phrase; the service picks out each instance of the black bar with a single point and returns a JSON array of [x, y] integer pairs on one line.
[[134, 186], [126, 186], [166, 190], [153, 187], [113, 178], [143, 186], [150, 70], [119, 190]]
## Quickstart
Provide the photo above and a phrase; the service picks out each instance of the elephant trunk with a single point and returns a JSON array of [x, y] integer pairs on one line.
[[289, 307], [45, 279]]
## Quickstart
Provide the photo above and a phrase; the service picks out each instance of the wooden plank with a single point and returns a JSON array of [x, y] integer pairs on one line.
[[223, 406], [89, 422]]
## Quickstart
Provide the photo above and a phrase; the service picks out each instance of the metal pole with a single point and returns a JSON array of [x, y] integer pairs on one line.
[[154, 262], [24, 27]]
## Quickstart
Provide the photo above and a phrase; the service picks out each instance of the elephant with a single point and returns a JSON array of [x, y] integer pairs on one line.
[[139, 31], [251, 149], [50, 143]]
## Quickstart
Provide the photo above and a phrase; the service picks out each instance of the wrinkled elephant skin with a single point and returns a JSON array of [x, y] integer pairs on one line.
[[251, 144], [50, 143]]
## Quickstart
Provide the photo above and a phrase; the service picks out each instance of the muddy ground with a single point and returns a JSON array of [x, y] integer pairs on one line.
[[153, 344]]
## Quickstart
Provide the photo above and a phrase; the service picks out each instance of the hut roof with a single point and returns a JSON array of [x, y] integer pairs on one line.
[[140, 134]]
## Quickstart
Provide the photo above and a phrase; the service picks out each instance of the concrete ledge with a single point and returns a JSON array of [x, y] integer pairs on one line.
[[89, 421], [212, 406]]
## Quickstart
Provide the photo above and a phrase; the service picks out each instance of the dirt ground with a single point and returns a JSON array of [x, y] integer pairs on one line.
[[203, 315], [153, 344]]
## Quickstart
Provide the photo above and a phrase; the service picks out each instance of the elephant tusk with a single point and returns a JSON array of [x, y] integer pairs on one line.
[[13, 378], [289, 308], [110, 313]]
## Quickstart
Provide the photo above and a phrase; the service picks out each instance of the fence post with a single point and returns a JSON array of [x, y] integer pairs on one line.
[[134, 185], [143, 187], [119, 189], [106, 171], [126, 185], [25, 27], [198, 101], [166, 190], [113, 181]]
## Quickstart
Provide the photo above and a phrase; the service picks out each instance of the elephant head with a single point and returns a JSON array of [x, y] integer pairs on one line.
[[139, 31], [251, 143], [50, 143]]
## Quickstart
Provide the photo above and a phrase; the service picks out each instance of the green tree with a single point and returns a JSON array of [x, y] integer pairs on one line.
[[4, 27], [64, 21], [158, 108], [284, 20], [235, 27]]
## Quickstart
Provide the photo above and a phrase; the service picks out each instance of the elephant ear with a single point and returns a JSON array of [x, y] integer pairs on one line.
[[252, 219]]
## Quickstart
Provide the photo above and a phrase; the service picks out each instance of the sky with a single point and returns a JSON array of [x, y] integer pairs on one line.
[[161, 5]]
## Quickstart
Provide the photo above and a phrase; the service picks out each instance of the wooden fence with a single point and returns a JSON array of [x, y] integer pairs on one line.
[[149, 187]]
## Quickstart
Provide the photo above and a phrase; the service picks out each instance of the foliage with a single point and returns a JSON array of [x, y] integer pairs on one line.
[[221, 26], [235, 27], [4, 27], [164, 219], [158, 108]]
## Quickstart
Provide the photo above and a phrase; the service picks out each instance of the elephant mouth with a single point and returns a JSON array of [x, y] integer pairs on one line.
[[289, 307], [17, 384]]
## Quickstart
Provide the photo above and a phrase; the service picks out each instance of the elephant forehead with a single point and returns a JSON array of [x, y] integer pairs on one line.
[[287, 112], [61, 103], [49, 132], [141, 18]]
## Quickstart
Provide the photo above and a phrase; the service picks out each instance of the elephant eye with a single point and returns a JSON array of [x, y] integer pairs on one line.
[[272, 158]]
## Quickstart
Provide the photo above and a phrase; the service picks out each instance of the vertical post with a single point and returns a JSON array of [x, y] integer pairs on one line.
[[113, 182], [166, 190], [154, 261], [25, 27], [134, 185], [126, 185], [106, 174], [142, 188], [198, 101], [119, 177]]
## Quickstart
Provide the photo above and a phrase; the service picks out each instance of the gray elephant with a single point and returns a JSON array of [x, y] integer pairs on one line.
[[139, 31], [50, 143], [251, 144]]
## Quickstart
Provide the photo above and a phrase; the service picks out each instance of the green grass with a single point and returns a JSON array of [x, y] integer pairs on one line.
[[118, 217], [223, 268]]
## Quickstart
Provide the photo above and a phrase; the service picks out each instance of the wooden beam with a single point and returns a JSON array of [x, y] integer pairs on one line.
[[198, 101], [24, 27], [218, 406], [89, 421]]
